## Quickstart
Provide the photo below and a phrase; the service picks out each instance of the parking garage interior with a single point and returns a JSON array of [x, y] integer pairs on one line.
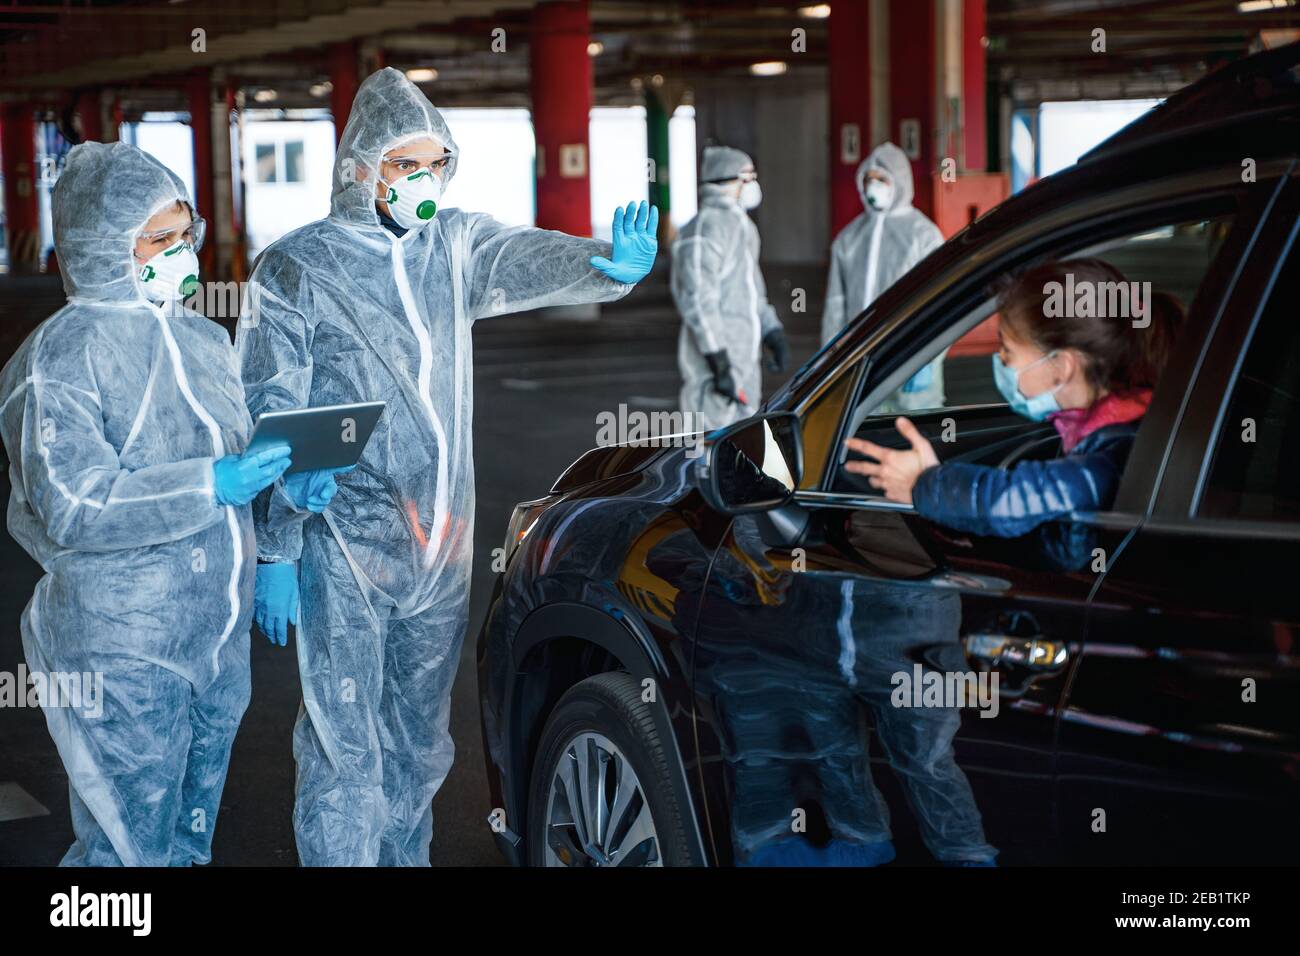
[[564, 105]]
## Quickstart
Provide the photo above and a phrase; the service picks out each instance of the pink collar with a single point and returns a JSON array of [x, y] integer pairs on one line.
[[1076, 424]]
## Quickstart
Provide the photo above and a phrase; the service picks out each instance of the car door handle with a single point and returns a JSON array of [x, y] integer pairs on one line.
[[1031, 653]]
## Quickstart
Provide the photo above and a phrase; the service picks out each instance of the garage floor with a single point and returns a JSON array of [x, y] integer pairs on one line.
[[539, 385]]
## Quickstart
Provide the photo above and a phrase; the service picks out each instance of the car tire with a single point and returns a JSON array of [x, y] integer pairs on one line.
[[602, 728]]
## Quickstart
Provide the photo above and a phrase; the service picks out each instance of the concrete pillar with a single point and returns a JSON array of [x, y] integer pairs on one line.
[[344, 82], [22, 211], [850, 88], [199, 93], [561, 85]]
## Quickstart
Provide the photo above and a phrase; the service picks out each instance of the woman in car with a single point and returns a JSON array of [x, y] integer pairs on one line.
[[1091, 377]]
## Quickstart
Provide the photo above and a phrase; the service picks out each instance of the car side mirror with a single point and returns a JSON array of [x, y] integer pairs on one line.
[[752, 465]]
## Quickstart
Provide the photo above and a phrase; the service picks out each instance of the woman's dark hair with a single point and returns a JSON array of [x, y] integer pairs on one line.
[[1035, 308]]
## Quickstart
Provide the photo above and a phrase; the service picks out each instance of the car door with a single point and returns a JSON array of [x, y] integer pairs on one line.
[[829, 614], [1180, 742]]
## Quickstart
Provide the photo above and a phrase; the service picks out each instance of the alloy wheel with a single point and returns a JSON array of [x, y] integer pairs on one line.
[[596, 812]]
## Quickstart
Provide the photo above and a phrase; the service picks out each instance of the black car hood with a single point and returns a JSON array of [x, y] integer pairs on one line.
[[609, 461]]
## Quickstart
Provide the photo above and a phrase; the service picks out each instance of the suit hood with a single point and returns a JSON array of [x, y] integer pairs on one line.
[[101, 201], [388, 110], [893, 162]]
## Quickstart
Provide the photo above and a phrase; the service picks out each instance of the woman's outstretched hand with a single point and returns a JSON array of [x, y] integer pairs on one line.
[[896, 469]]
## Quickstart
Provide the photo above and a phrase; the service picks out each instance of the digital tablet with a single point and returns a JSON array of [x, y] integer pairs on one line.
[[331, 436]]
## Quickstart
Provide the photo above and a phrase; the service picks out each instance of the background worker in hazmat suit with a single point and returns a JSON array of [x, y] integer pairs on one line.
[[376, 302], [122, 414], [718, 289], [872, 252]]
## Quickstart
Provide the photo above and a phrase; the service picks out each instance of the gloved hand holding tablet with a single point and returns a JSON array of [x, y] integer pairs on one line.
[[326, 438]]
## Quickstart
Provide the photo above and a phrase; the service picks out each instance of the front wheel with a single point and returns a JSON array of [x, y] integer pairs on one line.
[[601, 792]]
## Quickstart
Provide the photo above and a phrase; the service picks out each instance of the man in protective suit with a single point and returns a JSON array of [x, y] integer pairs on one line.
[[873, 251], [718, 288], [375, 302]]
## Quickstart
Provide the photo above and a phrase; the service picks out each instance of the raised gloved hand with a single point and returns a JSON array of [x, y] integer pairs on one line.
[[778, 351], [275, 600], [313, 490], [236, 479], [636, 240], [723, 382]]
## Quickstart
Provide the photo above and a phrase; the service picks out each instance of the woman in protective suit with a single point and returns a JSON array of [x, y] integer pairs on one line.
[[121, 416], [375, 302]]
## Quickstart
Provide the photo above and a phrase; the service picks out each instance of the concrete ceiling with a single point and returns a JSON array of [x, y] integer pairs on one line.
[[144, 48]]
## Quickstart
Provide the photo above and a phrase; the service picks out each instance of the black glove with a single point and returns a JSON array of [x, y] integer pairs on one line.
[[720, 368], [775, 343]]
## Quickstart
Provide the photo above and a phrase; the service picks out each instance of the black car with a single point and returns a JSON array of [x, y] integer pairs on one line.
[[672, 666]]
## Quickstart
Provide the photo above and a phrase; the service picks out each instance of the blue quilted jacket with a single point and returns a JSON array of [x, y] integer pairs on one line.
[[1008, 503]]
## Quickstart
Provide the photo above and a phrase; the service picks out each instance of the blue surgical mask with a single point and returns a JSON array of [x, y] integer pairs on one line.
[[1036, 409]]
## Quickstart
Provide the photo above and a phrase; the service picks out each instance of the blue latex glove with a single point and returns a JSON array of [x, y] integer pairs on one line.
[[236, 479], [313, 490], [275, 600], [636, 240]]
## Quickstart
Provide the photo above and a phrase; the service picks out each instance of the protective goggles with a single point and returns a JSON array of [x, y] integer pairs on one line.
[[436, 165], [192, 234], [748, 177]]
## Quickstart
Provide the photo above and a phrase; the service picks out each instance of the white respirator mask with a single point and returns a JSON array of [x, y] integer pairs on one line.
[[750, 195], [171, 274], [413, 200], [880, 195]]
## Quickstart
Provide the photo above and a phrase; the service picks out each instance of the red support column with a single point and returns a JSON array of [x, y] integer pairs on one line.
[[561, 83], [90, 114], [912, 78], [118, 118], [200, 102], [235, 180], [22, 212], [974, 148], [343, 82], [849, 35], [957, 203]]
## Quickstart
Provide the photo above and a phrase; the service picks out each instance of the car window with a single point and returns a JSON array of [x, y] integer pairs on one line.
[[1173, 258], [820, 424], [1255, 469]]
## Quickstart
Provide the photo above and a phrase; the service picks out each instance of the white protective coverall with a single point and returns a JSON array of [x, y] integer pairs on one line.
[[114, 413], [870, 254], [719, 291], [343, 310]]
